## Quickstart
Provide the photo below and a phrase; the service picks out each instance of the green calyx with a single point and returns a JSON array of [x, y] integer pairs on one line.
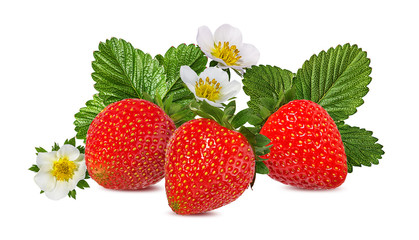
[[179, 113], [226, 117]]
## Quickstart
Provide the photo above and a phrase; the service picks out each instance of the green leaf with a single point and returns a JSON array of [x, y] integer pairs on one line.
[[121, 71], [266, 85], [336, 80], [361, 147], [159, 58], [181, 94], [34, 168], [183, 55], [86, 115]]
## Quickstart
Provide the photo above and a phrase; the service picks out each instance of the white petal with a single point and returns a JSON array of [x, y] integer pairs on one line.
[[249, 55], [188, 75], [80, 158], [215, 104], [45, 180], [199, 99], [228, 33], [238, 68], [80, 173], [215, 73], [205, 39], [61, 190], [45, 160], [231, 90], [191, 88], [69, 151]]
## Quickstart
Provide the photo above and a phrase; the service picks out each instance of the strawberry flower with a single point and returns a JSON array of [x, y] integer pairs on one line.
[[60, 171], [226, 47], [212, 85]]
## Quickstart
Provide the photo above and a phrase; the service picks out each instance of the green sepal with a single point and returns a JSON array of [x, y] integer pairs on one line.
[[213, 63], [261, 168], [255, 120], [261, 151], [206, 110], [196, 108], [71, 141], [261, 140], [34, 168], [87, 176], [82, 184], [229, 110], [215, 112], [72, 194], [39, 150], [81, 149], [179, 113], [260, 145], [224, 116], [55, 147], [241, 118], [264, 112]]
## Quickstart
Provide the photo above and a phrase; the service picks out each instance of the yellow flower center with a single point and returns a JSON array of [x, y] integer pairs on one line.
[[208, 89], [230, 55], [63, 169]]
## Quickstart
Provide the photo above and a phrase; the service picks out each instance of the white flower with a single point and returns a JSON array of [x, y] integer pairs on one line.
[[211, 85], [60, 171], [226, 47]]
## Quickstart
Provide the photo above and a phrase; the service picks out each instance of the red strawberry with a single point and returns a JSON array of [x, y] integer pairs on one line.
[[307, 149], [125, 144], [207, 166]]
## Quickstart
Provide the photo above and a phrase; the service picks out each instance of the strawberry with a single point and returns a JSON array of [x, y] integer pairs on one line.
[[126, 143], [307, 149], [207, 166]]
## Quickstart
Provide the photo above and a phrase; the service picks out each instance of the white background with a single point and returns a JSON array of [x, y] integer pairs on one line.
[[45, 65]]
